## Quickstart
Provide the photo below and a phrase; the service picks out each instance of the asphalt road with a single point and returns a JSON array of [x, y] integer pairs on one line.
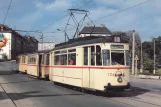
[[20, 90], [150, 84]]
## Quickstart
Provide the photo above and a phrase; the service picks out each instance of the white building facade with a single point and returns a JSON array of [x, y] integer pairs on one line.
[[46, 45]]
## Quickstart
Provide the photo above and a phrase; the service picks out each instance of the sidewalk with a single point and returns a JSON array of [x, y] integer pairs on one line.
[[5, 101], [146, 77]]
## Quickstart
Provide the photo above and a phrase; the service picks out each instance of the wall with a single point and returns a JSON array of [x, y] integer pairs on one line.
[[46, 46]]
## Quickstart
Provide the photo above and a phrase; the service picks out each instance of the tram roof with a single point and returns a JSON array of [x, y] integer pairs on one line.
[[42, 51], [90, 40]]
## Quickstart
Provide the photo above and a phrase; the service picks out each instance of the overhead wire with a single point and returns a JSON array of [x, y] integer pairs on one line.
[[7, 12], [123, 10], [63, 17], [119, 11]]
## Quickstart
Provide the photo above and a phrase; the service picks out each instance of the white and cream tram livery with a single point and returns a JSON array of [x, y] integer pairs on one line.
[[98, 63]]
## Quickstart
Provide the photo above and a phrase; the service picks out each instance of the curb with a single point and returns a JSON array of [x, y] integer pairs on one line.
[[149, 77]]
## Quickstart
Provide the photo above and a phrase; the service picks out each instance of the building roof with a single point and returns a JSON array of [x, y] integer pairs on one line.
[[95, 30]]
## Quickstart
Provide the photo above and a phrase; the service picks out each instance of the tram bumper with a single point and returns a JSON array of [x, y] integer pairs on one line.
[[110, 87]]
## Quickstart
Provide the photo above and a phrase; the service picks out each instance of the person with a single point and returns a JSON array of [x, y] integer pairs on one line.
[[71, 62]]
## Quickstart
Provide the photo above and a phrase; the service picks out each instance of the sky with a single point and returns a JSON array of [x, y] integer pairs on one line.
[[33, 15]]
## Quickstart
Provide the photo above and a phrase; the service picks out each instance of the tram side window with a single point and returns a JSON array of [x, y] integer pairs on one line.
[[23, 59], [47, 59], [57, 60], [32, 59], [85, 55], [92, 55], [72, 59], [106, 57], [98, 55], [64, 59]]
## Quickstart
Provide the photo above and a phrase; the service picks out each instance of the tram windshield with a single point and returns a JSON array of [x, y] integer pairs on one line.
[[117, 58]]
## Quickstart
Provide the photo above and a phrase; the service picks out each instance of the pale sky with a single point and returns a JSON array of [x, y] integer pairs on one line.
[[36, 14]]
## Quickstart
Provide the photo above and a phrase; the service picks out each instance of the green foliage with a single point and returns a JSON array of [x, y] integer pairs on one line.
[[148, 54], [148, 65]]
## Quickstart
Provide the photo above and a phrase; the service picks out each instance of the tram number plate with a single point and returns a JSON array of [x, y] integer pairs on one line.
[[111, 74]]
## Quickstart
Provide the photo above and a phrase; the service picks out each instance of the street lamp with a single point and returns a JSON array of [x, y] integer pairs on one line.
[[64, 32]]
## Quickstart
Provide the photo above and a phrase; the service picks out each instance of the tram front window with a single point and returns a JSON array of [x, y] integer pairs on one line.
[[117, 58]]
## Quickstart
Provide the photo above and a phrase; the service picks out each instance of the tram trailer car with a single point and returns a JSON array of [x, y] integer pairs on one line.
[[35, 64], [97, 63], [22, 63]]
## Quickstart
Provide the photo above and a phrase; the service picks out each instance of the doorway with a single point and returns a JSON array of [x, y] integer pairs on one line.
[[40, 68]]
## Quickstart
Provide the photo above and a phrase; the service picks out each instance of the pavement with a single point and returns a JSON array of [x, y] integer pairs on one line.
[[21, 90]]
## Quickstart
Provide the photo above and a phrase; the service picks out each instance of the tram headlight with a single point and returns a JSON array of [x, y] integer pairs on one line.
[[119, 79]]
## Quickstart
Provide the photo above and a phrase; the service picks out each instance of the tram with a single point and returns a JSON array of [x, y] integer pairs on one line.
[[97, 63], [35, 64]]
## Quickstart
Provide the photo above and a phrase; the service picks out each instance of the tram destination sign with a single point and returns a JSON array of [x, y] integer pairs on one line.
[[117, 46]]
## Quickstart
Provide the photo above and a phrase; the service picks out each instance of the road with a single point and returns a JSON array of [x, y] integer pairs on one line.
[[20, 90], [149, 84]]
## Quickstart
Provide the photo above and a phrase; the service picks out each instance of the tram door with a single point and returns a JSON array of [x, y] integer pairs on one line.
[[86, 68], [40, 68]]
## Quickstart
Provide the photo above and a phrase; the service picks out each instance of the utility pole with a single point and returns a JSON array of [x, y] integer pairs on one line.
[[133, 50], [141, 69], [154, 56]]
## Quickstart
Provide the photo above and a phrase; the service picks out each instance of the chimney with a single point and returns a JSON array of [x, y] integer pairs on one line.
[[102, 25]]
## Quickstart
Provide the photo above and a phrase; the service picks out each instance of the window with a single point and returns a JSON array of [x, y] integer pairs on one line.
[[57, 52], [72, 59], [117, 39], [64, 51], [64, 59], [85, 55], [98, 55], [57, 60], [92, 55], [47, 59], [23, 59], [32, 59], [128, 62], [106, 57], [72, 50], [117, 57]]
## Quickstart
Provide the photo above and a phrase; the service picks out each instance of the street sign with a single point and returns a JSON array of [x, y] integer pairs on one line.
[[136, 58]]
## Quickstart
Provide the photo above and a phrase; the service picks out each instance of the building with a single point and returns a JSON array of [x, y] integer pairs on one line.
[[46, 45], [12, 43], [101, 30]]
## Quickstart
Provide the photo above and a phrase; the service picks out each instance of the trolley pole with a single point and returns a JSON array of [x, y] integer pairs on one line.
[[154, 57], [133, 50]]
